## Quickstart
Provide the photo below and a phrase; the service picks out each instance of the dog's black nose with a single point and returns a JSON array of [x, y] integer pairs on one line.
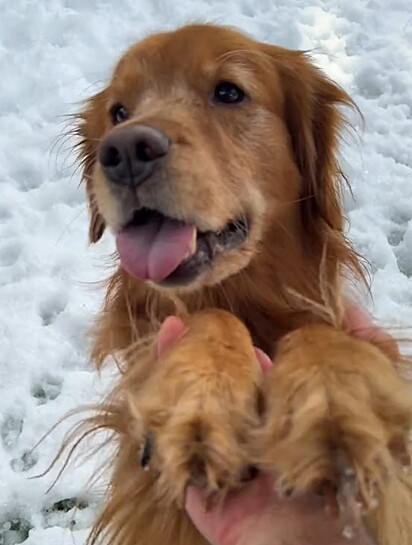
[[130, 155]]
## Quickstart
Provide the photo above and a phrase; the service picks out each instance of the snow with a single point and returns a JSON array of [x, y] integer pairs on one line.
[[55, 53]]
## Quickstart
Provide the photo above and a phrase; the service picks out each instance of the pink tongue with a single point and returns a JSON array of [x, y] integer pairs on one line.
[[155, 250]]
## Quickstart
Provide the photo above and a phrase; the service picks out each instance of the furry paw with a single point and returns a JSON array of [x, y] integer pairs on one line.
[[338, 417], [196, 411]]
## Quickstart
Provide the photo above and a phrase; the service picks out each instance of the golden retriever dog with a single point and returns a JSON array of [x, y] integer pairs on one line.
[[212, 158]]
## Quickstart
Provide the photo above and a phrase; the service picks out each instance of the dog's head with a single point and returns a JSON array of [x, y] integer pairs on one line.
[[202, 145]]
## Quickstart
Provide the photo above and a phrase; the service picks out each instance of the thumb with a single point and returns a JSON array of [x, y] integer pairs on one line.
[[171, 330]]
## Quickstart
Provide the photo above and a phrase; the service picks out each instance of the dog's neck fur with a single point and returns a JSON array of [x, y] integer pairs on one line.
[[268, 295]]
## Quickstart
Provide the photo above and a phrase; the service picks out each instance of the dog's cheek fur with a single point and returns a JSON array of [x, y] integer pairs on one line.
[[90, 128]]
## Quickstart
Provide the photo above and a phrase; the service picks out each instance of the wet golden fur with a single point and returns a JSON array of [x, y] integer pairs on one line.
[[274, 159]]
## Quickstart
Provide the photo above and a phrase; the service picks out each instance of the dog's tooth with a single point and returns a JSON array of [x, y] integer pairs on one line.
[[193, 245]]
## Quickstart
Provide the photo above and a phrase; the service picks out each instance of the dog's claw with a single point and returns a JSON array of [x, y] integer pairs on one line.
[[146, 452], [248, 474]]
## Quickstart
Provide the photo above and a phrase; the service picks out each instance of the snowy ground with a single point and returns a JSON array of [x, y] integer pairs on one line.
[[53, 53]]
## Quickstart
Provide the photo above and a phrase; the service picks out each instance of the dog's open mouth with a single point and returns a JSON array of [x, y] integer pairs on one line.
[[170, 252]]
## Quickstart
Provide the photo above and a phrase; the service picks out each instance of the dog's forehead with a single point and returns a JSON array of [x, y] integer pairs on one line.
[[191, 49]]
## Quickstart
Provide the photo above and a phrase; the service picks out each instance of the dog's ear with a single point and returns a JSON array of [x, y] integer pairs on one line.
[[315, 122], [90, 127]]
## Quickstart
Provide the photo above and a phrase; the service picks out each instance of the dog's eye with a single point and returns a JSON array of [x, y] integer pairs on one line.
[[118, 113], [228, 93]]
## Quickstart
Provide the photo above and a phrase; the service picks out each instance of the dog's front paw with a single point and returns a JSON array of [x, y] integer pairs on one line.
[[197, 409], [338, 417]]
